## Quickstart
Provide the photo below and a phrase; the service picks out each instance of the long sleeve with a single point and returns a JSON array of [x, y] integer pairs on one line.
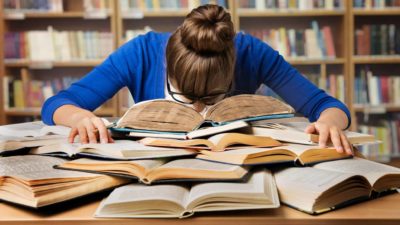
[[289, 84]]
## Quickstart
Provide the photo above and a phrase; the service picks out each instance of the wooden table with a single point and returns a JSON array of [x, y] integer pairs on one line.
[[385, 210]]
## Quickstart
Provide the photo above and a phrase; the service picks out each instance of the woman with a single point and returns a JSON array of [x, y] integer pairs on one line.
[[199, 64]]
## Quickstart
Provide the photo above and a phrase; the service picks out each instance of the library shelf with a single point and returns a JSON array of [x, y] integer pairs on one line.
[[54, 15], [289, 13], [382, 108], [394, 11], [156, 13], [36, 111], [376, 59], [51, 64], [311, 61]]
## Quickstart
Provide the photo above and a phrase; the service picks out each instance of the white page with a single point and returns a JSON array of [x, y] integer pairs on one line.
[[140, 192], [369, 169], [198, 164], [33, 167], [32, 129]]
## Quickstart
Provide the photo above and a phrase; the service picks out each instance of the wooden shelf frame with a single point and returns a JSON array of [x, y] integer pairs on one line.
[[289, 13]]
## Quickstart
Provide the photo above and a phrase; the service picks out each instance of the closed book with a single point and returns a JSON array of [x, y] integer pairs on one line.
[[367, 39], [330, 46]]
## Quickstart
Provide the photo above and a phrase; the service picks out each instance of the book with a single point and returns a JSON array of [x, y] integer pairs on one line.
[[330, 185], [33, 129], [11, 143], [162, 115], [32, 181], [298, 154], [219, 142], [119, 150], [179, 201], [160, 170], [293, 132]]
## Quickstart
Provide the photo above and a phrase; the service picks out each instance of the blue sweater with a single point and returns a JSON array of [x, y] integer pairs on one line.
[[140, 65]]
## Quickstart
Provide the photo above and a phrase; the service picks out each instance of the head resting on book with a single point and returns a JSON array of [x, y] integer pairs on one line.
[[200, 54]]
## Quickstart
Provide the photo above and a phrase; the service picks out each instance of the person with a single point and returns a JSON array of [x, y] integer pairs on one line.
[[200, 63]]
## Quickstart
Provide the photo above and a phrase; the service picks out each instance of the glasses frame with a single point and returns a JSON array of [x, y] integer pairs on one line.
[[192, 99]]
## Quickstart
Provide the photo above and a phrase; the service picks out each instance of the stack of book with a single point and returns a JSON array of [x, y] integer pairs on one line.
[[310, 43], [377, 4], [250, 158], [157, 5], [33, 6]]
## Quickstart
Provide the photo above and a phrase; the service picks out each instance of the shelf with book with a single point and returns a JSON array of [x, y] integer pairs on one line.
[[289, 13], [374, 74], [377, 59], [43, 37], [51, 64]]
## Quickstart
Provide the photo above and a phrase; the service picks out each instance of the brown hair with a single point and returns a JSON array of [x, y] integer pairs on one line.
[[200, 54]]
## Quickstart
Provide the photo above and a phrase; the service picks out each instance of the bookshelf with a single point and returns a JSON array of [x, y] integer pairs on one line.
[[95, 18], [343, 21]]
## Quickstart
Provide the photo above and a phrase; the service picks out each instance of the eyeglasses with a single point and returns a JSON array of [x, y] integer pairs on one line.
[[191, 99]]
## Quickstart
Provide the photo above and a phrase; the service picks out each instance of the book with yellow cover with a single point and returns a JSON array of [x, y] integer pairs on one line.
[[179, 201], [330, 185], [161, 170], [299, 154], [219, 142], [32, 181]]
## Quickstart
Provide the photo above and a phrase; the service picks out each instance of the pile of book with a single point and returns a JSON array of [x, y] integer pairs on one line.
[[170, 161]]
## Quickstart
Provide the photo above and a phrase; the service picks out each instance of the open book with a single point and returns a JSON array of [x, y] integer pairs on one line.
[[162, 115], [32, 129], [334, 184], [32, 181], [163, 201], [300, 154], [11, 143], [293, 132], [150, 171], [219, 142], [120, 150]]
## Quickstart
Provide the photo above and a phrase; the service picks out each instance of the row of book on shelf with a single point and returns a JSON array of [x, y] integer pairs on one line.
[[382, 39], [368, 4], [155, 5], [291, 4], [22, 93], [54, 5], [311, 43], [53, 45], [373, 89], [168, 177], [388, 131]]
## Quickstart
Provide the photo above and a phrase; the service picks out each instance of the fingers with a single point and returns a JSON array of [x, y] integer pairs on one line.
[[336, 139], [346, 144], [72, 135], [323, 135], [104, 135], [310, 129]]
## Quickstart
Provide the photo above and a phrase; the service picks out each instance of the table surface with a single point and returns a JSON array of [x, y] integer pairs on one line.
[[384, 210]]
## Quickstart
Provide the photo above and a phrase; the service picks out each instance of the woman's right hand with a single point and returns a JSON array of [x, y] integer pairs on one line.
[[84, 124]]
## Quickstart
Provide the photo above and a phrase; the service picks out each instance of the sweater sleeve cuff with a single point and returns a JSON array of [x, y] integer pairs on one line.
[[51, 105], [338, 105]]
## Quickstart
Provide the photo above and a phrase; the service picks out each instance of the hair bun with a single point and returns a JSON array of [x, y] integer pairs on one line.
[[207, 29]]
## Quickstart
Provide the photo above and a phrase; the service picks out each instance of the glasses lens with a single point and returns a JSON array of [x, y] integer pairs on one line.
[[182, 99]]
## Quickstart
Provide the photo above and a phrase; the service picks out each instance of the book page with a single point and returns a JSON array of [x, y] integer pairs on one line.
[[253, 190], [197, 164], [246, 106], [138, 192], [32, 167], [161, 115], [369, 169], [66, 147], [132, 149], [33, 129], [147, 164]]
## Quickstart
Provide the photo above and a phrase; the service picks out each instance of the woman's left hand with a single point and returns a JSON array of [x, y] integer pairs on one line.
[[329, 127]]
